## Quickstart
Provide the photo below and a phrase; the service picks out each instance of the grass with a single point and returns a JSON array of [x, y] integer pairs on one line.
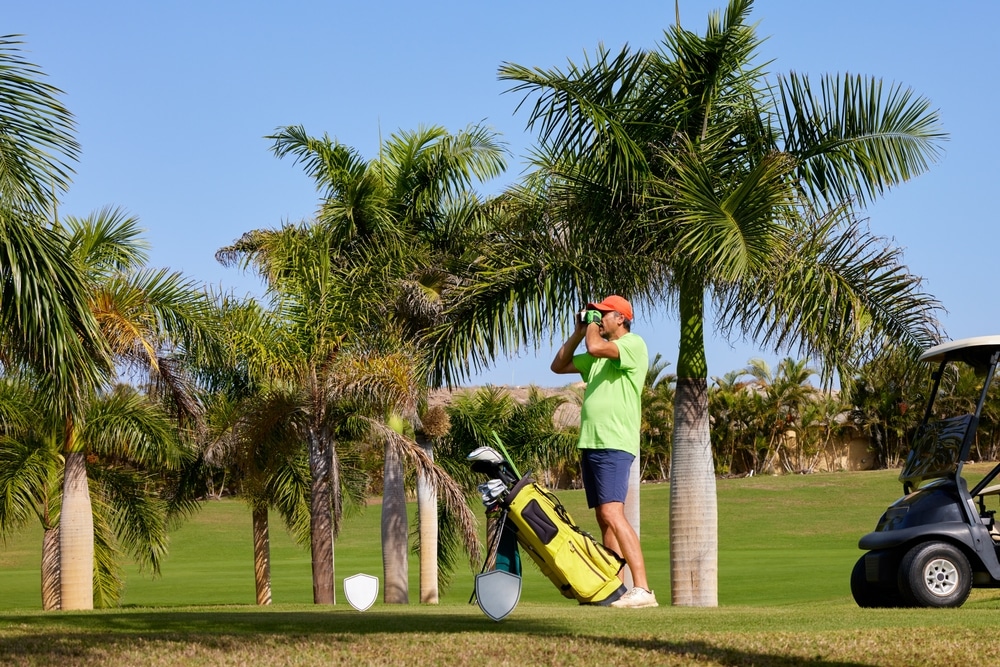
[[787, 545]]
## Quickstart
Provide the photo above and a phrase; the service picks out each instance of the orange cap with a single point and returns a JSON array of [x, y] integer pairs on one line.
[[614, 303]]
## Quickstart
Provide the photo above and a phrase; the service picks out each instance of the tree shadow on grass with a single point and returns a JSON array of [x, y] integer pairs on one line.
[[701, 652], [263, 620], [93, 638]]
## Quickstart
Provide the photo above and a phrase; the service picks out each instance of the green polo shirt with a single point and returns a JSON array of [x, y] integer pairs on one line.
[[611, 417]]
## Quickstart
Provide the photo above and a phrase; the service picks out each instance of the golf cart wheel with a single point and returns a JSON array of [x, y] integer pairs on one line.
[[935, 574], [870, 595]]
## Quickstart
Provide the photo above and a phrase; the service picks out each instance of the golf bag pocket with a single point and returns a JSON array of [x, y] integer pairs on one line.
[[571, 558]]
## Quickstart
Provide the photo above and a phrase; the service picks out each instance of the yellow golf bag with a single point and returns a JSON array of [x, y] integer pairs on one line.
[[579, 566]]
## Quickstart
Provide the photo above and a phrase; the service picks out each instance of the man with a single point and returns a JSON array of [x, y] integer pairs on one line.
[[614, 368]]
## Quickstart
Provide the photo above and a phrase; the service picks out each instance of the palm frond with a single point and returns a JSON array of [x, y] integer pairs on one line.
[[137, 519], [106, 242], [855, 140], [36, 134], [126, 424], [841, 293], [45, 319]]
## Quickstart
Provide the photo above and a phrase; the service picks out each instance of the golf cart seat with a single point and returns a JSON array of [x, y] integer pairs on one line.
[[989, 520]]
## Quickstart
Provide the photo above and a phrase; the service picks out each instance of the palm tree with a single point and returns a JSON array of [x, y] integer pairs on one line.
[[434, 425], [732, 411], [657, 417], [320, 380], [886, 397], [682, 174], [144, 315], [784, 395], [392, 230], [130, 442], [247, 431]]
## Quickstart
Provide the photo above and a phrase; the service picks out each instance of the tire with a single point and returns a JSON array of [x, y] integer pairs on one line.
[[868, 595], [935, 574]]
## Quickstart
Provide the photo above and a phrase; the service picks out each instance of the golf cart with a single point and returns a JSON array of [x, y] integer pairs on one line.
[[939, 540]]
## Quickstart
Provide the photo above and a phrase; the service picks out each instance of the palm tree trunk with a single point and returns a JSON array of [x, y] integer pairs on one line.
[[51, 599], [320, 519], [694, 529], [427, 514], [394, 530], [261, 555], [76, 537]]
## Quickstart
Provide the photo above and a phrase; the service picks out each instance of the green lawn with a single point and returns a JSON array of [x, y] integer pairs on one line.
[[787, 545], [782, 540]]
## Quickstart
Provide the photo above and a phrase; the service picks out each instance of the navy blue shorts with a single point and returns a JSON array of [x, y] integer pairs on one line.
[[605, 475]]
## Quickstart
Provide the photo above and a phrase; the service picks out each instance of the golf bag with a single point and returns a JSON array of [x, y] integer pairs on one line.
[[579, 566]]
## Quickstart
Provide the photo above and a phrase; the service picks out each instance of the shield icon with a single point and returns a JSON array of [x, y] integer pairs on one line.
[[361, 590], [497, 593]]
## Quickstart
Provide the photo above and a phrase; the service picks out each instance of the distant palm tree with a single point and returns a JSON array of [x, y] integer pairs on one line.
[[657, 417], [732, 407], [784, 395]]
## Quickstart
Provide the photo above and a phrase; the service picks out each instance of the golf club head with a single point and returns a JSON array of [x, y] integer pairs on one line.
[[492, 491], [487, 454], [489, 461]]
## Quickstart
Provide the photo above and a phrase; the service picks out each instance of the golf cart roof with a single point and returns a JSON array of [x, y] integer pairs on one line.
[[969, 350]]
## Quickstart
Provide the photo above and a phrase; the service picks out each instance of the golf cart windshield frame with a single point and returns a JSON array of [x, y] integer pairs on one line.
[[940, 447]]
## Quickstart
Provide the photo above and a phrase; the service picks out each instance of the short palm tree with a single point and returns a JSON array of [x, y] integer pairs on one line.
[[130, 442]]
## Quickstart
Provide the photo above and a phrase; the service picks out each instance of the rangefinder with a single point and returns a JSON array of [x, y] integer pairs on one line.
[[588, 316]]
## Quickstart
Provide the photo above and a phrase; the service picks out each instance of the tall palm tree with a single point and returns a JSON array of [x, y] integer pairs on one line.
[[393, 227], [144, 316], [682, 174]]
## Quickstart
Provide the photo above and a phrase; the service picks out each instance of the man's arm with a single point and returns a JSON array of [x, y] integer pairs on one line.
[[563, 363], [597, 346]]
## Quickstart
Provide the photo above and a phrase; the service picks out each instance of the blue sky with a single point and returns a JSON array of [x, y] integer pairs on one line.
[[173, 100]]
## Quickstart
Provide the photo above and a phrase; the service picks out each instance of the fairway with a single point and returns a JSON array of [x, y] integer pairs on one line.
[[782, 540], [787, 545]]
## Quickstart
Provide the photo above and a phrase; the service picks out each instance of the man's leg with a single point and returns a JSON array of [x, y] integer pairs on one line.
[[618, 534], [605, 478]]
